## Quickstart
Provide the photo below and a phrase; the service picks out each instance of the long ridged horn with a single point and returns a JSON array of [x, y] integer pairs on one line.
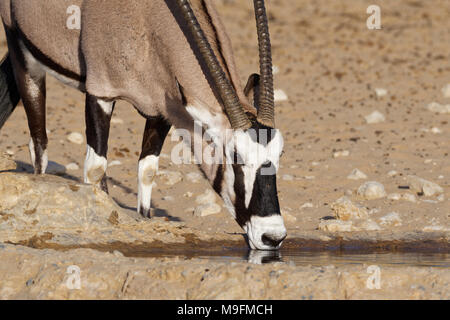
[[233, 107], [266, 110]]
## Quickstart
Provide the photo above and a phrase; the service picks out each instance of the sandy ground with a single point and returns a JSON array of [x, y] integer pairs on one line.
[[330, 66]]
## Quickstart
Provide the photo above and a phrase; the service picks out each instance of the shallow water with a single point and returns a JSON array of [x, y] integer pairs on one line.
[[302, 258]]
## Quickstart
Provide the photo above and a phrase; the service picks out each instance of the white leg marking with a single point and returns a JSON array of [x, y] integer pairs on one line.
[[107, 106], [94, 167], [44, 159], [148, 168]]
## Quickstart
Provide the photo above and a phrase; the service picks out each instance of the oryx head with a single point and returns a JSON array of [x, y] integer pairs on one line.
[[247, 179]]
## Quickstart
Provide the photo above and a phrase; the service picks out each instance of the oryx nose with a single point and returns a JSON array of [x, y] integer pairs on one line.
[[272, 239]]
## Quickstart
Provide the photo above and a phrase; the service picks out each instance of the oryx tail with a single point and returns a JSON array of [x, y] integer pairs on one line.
[[9, 95]]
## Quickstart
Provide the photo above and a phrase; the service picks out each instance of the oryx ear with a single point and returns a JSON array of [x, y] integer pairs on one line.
[[252, 89]]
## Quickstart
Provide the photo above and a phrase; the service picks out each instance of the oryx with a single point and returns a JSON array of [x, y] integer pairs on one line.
[[173, 61]]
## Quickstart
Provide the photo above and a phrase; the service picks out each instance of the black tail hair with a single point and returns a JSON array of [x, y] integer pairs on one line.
[[9, 95]]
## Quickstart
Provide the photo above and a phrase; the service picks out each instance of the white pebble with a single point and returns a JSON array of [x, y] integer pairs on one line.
[[356, 174], [72, 166], [392, 173], [446, 91], [280, 95], [436, 130], [371, 190], [428, 188], [275, 70], [307, 205], [439, 108], [380, 92], [168, 198], [287, 177], [76, 137], [206, 198], [375, 117], [207, 209], [114, 163], [116, 121], [394, 196], [339, 154]]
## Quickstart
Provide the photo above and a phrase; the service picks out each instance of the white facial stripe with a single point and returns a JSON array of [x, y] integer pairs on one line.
[[148, 168], [203, 115], [107, 106], [94, 167], [255, 155], [271, 226]]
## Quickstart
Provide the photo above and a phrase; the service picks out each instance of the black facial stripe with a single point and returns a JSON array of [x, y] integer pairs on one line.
[[264, 200], [217, 185], [242, 214]]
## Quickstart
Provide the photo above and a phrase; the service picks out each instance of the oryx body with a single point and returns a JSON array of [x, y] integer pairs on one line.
[[146, 52]]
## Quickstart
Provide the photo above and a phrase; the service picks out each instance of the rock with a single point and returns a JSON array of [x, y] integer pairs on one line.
[[208, 209], [380, 92], [439, 108], [280, 95], [392, 219], [194, 177], [446, 91], [76, 137], [72, 166], [426, 187], [339, 154], [208, 197], [356, 175], [188, 194], [369, 225], [55, 168], [344, 209], [31, 204], [287, 177], [336, 226], [371, 190], [7, 163], [170, 177], [375, 117]]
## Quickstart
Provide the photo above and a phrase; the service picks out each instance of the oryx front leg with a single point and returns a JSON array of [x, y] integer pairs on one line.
[[156, 130], [98, 119]]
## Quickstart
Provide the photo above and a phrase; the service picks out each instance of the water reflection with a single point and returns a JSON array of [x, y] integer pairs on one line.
[[261, 257], [438, 260]]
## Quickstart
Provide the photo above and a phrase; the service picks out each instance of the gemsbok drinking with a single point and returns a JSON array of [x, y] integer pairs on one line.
[[173, 61]]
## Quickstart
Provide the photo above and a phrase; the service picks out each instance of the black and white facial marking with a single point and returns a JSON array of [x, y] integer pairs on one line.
[[248, 186], [256, 207]]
